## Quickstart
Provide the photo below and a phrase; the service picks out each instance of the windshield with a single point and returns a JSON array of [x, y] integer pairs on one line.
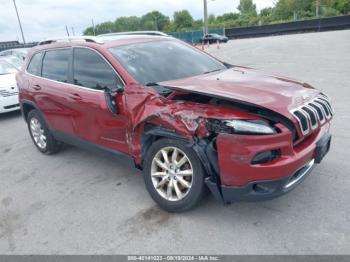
[[154, 62], [6, 68], [15, 61]]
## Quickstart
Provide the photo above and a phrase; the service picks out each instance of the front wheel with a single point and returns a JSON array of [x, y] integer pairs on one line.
[[174, 175]]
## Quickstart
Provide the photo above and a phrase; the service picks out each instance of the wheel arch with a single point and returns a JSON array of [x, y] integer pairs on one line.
[[152, 133], [27, 106], [204, 148]]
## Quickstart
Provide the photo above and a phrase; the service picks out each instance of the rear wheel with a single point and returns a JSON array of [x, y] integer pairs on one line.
[[40, 134], [174, 175]]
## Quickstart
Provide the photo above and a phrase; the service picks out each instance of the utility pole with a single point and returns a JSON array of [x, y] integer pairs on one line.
[[317, 7], [73, 32], [205, 29], [156, 23], [93, 26], [19, 22], [67, 31]]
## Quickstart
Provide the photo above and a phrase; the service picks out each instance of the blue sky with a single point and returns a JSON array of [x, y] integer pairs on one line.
[[47, 18]]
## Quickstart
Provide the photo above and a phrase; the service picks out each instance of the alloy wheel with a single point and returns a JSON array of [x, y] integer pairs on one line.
[[38, 133], [172, 173]]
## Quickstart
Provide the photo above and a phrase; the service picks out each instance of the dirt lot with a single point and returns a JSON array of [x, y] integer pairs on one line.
[[77, 202]]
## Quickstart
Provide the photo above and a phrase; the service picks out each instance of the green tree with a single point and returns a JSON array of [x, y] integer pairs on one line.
[[289, 9], [247, 8], [266, 11], [211, 19], [284, 10], [103, 28], [154, 21], [227, 17], [88, 31], [265, 15], [182, 20], [127, 23], [197, 24], [342, 6]]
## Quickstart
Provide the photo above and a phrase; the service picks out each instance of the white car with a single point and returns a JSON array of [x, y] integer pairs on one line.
[[20, 53], [8, 86]]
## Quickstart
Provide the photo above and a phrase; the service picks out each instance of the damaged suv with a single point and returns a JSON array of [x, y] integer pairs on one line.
[[189, 121]]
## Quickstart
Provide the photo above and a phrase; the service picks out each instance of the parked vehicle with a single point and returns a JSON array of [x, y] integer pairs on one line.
[[8, 87], [20, 53], [13, 60], [214, 38], [189, 121]]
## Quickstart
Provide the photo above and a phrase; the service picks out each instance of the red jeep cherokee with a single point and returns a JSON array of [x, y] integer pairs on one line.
[[189, 121]]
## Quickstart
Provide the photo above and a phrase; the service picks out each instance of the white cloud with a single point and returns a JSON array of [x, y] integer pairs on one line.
[[47, 18]]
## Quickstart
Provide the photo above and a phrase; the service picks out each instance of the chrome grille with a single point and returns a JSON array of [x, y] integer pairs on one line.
[[314, 113]]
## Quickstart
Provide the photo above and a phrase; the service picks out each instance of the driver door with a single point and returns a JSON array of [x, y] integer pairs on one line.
[[92, 119]]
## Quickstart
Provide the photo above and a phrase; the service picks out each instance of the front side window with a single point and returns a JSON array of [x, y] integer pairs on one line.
[[92, 71], [35, 64], [55, 65], [158, 61]]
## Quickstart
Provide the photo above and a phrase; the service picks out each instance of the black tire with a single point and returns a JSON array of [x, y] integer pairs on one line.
[[52, 145], [196, 191]]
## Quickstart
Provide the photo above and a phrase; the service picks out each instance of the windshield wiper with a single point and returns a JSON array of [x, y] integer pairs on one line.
[[163, 91], [152, 84], [212, 71]]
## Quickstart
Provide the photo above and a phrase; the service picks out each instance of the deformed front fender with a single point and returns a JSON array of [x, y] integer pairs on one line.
[[204, 148]]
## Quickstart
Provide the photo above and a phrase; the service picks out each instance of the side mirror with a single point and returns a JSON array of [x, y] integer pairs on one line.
[[111, 99], [112, 90]]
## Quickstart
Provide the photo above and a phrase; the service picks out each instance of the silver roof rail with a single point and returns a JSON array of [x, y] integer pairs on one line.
[[155, 33], [71, 39]]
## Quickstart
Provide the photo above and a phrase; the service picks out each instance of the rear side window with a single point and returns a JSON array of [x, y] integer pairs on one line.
[[92, 71], [34, 66], [55, 65]]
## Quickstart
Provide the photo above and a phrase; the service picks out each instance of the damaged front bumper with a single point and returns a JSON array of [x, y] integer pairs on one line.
[[262, 190], [240, 180]]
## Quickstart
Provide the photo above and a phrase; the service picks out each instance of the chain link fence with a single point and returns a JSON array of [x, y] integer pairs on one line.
[[6, 46], [195, 36]]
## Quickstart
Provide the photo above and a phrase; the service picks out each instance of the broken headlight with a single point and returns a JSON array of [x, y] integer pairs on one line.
[[245, 127]]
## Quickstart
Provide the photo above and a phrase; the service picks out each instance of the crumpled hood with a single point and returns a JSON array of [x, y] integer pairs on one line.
[[249, 86]]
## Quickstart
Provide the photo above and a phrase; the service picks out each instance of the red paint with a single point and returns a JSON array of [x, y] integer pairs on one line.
[[84, 113], [237, 151]]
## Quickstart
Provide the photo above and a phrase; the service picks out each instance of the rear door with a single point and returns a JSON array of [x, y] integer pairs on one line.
[[92, 119], [50, 90]]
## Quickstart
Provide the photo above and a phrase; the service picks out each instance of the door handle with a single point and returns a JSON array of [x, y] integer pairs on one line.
[[75, 97], [37, 87]]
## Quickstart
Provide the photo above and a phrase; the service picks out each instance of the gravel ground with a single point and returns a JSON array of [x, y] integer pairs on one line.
[[77, 202]]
